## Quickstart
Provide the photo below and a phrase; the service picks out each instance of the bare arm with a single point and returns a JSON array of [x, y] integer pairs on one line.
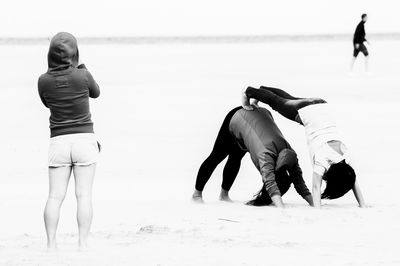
[[299, 184], [358, 195], [316, 190], [277, 200]]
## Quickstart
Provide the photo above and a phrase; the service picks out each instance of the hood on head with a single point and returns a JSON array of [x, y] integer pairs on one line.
[[63, 51], [286, 158]]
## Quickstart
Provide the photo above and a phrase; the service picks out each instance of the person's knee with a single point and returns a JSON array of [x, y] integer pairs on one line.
[[83, 195], [57, 196], [215, 158]]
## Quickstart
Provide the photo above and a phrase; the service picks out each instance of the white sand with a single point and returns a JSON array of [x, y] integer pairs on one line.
[[160, 110]]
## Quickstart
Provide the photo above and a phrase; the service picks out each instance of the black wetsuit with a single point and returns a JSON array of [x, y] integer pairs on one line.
[[254, 132], [359, 39]]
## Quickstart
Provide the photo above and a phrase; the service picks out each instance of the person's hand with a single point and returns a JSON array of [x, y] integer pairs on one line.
[[255, 103], [246, 102], [248, 107], [357, 45], [197, 196]]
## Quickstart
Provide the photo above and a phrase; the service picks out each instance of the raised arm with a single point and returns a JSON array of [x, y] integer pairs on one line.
[[316, 190], [358, 195]]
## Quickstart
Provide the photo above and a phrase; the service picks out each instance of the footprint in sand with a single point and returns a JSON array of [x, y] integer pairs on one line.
[[151, 229]]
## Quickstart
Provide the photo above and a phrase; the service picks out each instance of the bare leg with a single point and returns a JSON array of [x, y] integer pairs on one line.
[[58, 184], [366, 63], [84, 176], [353, 60]]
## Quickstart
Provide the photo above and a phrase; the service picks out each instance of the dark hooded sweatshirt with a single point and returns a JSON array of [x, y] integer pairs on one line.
[[359, 34], [256, 132], [66, 87]]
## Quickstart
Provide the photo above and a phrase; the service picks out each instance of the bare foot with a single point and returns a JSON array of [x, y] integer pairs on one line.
[[52, 247], [83, 247], [224, 196], [197, 197]]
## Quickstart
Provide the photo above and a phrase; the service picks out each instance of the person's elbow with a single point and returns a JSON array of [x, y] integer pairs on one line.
[[94, 93]]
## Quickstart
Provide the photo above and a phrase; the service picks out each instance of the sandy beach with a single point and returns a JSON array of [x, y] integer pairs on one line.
[[157, 118]]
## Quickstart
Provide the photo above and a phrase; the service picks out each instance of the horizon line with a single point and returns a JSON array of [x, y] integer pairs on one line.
[[200, 38]]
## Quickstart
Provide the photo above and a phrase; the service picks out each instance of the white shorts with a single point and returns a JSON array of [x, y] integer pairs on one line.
[[73, 149]]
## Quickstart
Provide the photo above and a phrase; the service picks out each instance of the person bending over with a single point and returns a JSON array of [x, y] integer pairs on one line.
[[255, 132], [328, 153]]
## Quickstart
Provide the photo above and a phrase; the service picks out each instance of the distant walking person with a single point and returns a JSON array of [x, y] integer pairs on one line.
[[358, 42], [329, 154], [65, 89], [255, 132]]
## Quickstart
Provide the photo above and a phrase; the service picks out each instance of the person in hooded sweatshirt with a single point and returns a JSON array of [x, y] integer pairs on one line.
[[65, 89], [358, 42], [329, 155], [255, 132]]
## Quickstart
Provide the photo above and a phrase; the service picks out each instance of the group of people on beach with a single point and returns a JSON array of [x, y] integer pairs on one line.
[[250, 128], [67, 85]]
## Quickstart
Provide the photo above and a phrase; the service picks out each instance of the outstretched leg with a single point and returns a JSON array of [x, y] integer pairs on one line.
[[280, 93], [280, 104], [286, 107], [231, 170]]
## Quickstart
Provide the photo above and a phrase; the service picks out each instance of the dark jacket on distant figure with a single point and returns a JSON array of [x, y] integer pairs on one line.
[[256, 132], [66, 87], [359, 34]]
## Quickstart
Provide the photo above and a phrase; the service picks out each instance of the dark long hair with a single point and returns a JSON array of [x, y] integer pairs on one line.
[[340, 178]]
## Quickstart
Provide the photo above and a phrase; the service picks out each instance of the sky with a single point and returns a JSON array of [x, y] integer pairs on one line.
[[43, 18]]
